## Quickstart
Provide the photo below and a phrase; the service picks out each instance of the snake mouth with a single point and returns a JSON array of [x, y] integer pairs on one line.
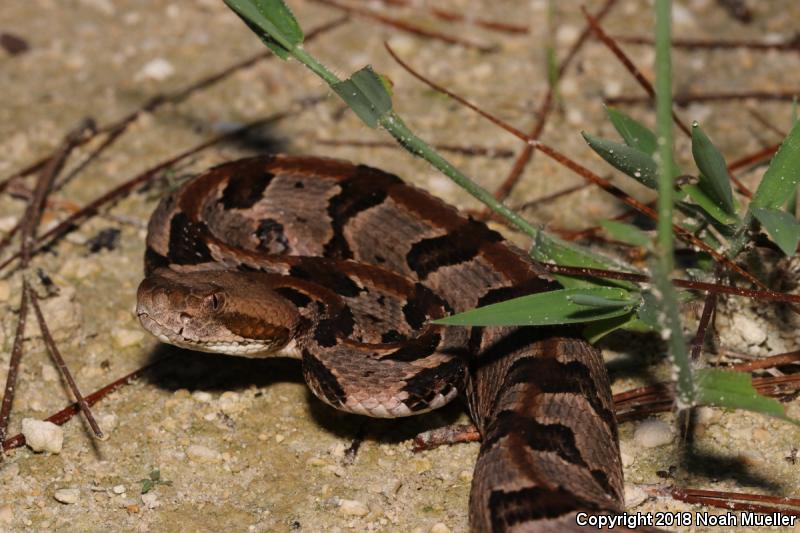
[[239, 347]]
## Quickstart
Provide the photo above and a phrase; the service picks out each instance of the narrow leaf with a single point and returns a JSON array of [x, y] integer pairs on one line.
[[366, 93], [626, 233], [635, 134], [549, 249], [781, 178], [547, 308], [733, 390], [781, 226], [708, 205], [272, 21], [633, 162], [714, 179]]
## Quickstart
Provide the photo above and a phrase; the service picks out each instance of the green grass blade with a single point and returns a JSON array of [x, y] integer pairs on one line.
[[781, 178], [782, 227], [635, 134], [627, 233], [709, 207], [633, 162], [734, 390], [272, 21], [550, 249], [714, 179], [366, 94], [550, 308]]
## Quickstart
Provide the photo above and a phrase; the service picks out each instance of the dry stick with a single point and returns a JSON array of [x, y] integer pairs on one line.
[[62, 366], [63, 416], [28, 227], [766, 294], [582, 171], [726, 500], [784, 95], [115, 129], [474, 150], [768, 362], [406, 26], [792, 45], [709, 308], [114, 194], [451, 16], [542, 113], [628, 64], [761, 155], [13, 363]]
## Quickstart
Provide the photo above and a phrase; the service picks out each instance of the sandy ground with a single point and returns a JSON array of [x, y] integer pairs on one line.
[[242, 445]]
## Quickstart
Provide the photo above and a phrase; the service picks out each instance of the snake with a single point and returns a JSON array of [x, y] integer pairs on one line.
[[346, 267]]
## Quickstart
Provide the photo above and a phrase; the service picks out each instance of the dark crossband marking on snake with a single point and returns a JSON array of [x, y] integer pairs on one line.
[[344, 266]]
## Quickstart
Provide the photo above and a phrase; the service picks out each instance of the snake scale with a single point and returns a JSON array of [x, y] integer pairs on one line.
[[343, 266]]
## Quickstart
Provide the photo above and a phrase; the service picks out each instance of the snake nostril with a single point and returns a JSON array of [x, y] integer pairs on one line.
[[185, 318]]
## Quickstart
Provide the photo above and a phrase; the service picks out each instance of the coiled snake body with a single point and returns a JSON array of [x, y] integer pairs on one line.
[[343, 266]]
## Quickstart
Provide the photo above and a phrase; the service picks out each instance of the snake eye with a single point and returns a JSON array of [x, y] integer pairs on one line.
[[216, 300]]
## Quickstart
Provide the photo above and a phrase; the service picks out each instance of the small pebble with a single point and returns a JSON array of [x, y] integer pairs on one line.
[[150, 500], [279, 438], [124, 338], [652, 433], [68, 496], [118, 489], [157, 69], [108, 422], [634, 496], [749, 330], [202, 396], [42, 436], [439, 527], [353, 508], [202, 454], [6, 514]]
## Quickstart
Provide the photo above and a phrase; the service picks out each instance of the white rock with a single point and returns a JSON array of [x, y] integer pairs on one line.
[[150, 500], [42, 436], [118, 489], [202, 454], [634, 496], [652, 433], [157, 69], [68, 495], [202, 396], [439, 527], [124, 337], [749, 330], [353, 508], [109, 422]]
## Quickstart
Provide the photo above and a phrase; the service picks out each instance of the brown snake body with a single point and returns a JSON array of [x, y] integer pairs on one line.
[[343, 266]]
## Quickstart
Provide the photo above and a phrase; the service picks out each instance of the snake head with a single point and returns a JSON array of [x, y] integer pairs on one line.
[[217, 311]]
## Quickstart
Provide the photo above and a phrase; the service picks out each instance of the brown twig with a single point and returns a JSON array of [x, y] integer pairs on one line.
[[63, 416], [630, 66], [785, 95], [791, 45], [709, 308], [545, 106], [493, 153], [55, 353], [451, 16], [406, 26], [27, 229], [728, 500]]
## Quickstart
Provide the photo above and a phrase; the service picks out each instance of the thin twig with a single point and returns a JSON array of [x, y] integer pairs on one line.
[[784, 95], [451, 16], [13, 363], [63, 416], [630, 66], [55, 353], [407, 26], [790, 45], [545, 106], [474, 150]]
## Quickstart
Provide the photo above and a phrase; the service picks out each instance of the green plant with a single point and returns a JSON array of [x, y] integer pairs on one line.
[[645, 156]]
